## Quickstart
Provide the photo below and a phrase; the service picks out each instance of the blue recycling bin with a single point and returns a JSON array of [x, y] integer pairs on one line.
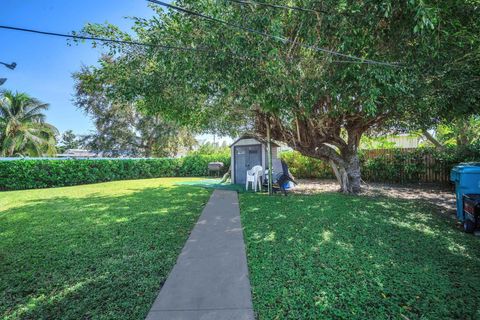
[[466, 177]]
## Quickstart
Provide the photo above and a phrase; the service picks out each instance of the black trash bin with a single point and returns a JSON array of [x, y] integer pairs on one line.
[[471, 212]]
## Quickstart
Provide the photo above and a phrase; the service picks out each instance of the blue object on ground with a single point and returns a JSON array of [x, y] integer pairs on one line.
[[288, 185], [466, 177]]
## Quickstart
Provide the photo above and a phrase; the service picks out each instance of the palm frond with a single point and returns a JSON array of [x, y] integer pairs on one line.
[[22, 126]]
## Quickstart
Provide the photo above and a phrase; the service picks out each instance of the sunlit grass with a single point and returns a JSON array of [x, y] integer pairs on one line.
[[331, 256], [97, 251]]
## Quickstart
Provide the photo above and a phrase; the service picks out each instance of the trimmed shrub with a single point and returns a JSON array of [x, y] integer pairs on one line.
[[38, 173], [391, 165], [196, 164], [303, 167]]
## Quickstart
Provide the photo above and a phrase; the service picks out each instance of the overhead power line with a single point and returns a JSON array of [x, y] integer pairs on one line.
[[267, 35], [136, 43], [278, 6], [80, 37]]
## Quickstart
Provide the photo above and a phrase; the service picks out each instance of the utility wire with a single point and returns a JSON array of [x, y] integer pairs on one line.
[[267, 35], [278, 6], [136, 43], [72, 36]]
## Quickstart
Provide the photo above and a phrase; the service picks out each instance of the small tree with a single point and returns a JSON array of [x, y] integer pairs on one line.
[[68, 141]]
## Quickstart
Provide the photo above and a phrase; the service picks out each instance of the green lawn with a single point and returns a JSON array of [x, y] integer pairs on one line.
[[97, 251], [332, 256]]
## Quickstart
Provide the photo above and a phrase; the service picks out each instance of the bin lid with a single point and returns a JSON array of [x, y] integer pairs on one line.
[[468, 167]]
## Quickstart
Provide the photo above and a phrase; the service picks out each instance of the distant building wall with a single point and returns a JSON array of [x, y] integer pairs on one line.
[[405, 141]]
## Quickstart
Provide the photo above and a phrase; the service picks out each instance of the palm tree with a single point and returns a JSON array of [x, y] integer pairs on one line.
[[23, 130]]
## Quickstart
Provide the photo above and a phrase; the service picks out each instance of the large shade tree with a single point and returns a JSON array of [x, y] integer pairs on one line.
[[121, 129], [23, 130], [317, 79]]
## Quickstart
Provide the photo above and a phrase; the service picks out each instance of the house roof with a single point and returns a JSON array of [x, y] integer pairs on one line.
[[253, 136], [78, 153]]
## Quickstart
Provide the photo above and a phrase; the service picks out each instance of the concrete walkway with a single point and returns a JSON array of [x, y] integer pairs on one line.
[[210, 280]]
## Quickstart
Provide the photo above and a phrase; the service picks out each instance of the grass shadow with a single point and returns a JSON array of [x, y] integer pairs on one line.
[[332, 256], [94, 256]]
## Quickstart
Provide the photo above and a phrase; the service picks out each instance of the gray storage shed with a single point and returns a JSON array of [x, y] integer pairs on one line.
[[248, 151]]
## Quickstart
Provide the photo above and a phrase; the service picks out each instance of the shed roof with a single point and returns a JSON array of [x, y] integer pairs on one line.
[[253, 136]]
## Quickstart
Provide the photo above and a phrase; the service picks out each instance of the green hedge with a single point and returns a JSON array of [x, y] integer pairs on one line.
[[196, 165], [391, 165], [305, 167], [33, 174]]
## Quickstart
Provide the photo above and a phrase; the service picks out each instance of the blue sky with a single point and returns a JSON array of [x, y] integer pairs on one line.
[[45, 63]]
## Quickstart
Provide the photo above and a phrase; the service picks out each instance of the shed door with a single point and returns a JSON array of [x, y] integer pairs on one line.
[[246, 157]]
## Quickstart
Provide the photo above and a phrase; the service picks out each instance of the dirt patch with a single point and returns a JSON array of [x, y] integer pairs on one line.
[[440, 196]]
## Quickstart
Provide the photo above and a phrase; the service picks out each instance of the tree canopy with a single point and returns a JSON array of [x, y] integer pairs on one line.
[[121, 129], [317, 78], [69, 140]]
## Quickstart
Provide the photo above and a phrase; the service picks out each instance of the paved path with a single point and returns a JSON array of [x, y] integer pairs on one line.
[[210, 280]]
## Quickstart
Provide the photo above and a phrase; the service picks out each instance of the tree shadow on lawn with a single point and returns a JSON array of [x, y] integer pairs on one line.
[[335, 256], [93, 257]]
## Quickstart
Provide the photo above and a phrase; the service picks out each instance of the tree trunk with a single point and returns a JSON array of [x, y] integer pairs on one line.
[[148, 152], [227, 175], [149, 147], [346, 166], [349, 174], [432, 139], [324, 138], [354, 174], [336, 172], [462, 132], [10, 152]]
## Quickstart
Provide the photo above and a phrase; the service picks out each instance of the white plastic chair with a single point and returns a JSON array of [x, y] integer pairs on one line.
[[254, 176]]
